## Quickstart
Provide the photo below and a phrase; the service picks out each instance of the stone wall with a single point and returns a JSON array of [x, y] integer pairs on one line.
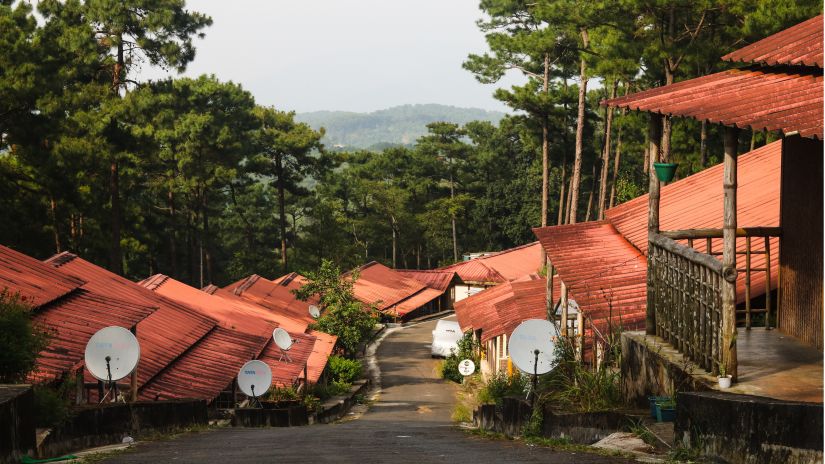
[[651, 368], [97, 425], [17, 431], [743, 429], [280, 417]]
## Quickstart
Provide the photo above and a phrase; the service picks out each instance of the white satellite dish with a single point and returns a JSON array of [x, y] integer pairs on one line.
[[466, 367], [112, 353], [284, 342], [254, 379], [532, 346], [314, 311]]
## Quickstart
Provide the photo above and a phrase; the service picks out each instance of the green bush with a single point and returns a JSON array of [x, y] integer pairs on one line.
[[51, 406], [467, 349], [342, 369], [20, 340], [573, 386], [501, 385]]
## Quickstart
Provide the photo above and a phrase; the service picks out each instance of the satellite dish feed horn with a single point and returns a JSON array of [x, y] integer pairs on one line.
[[284, 342], [254, 379], [112, 353]]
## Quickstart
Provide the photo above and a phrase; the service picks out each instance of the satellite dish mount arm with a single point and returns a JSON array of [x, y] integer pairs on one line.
[[111, 386], [535, 377], [255, 400]]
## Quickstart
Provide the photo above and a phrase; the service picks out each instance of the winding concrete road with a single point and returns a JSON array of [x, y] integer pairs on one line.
[[408, 422]]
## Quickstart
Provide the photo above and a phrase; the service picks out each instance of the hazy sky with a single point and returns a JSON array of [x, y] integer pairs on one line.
[[355, 55]]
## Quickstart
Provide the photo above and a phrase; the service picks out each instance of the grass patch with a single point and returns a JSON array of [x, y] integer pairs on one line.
[[555, 444], [461, 413]]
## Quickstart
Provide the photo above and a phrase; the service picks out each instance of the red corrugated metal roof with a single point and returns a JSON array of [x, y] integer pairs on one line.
[[797, 45], [696, 202], [207, 368], [604, 273], [38, 283], [500, 267], [284, 372], [321, 350], [433, 278], [527, 302], [478, 312], [783, 99], [414, 302], [236, 315], [278, 298], [164, 335], [380, 285], [72, 320]]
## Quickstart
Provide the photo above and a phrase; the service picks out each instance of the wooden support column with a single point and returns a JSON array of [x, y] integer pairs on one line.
[[134, 378], [564, 330], [580, 335], [549, 300], [654, 136], [728, 335]]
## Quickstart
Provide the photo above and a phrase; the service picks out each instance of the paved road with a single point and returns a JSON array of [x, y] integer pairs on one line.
[[409, 422]]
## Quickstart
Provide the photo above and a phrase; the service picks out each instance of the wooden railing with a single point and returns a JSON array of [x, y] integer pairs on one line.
[[685, 289], [685, 292]]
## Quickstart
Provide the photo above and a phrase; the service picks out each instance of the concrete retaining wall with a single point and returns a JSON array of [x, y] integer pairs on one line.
[[335, 408], [743, 429], [17, 431], [649, 369], [509, 418], [98, 425], [283, 417]]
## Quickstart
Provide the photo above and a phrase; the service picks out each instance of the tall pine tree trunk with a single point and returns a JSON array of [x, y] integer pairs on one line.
[[115, 253], [173, 249], [577, 162], [606, 153], [562, 188], [703, 143], [53, 214], [617, 160], [592, 191], [545, 150], [279, 168], [205, 241], [394, 242], [452, 218]]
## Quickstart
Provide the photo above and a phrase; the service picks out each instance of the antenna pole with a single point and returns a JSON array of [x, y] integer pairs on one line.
[[535, 377]]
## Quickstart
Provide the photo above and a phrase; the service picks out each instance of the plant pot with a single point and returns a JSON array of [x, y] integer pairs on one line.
[[724, 381], [653, 400], [665, 412], [665, 171]]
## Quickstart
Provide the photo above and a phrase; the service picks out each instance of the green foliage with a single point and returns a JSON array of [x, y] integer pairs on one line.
[[501, 385], [342, 369], [468, 348], [52, 405], [341, 314], [20, 340], [574, 387]]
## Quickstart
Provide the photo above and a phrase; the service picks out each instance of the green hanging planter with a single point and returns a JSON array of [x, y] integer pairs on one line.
[[665, 171]]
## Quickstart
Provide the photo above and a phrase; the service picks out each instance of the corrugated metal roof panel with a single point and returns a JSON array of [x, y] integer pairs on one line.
[[36, 282], [414, 302], [321, 351], [236, 315], [277, 298], [696, 202], [478, 312], [776, 99], [433, 278], [527, 302], [72, 320], [380, 285], [797, 45], [207, 368], [500, 267], [287, 372], [604, 273], [164, 335]]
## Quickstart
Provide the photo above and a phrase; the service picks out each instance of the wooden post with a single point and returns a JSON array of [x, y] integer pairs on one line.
[[80, 387], [134, 378], [580, 324], [728, 347], [767, 283], [551, 314], [747, 282], [564, 330], [654, 135]]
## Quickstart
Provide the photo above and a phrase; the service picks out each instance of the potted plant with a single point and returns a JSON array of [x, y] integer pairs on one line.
[[665, 171], [724, 378], [666, 410]]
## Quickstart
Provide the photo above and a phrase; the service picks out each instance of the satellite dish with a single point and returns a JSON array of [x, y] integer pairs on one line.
[[532, 346], [112, 353], [282, 339], [314, 311], [466, 367], [255, 378]]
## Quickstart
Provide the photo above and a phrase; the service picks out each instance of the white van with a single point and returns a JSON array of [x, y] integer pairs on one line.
[[445, 338]]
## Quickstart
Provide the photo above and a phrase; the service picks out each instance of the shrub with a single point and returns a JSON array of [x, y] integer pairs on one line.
[[51, 405], [467, 349], [20, 340], [573, 386], [343, 369], [501, 385]]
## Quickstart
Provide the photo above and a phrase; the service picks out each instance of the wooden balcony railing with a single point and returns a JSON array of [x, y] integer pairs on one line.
[[685, 290]]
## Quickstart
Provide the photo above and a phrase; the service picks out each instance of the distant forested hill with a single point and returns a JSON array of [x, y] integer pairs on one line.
[[399, 125]]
